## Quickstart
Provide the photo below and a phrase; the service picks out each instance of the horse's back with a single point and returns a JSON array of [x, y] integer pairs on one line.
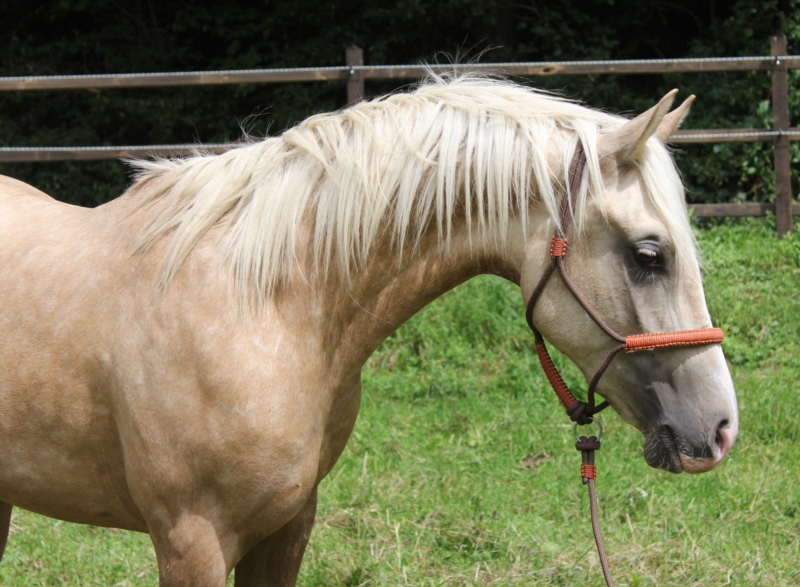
[[24, 209], [10, 187]]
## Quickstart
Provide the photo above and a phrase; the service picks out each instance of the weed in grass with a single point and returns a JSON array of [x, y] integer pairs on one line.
[[462, 470]]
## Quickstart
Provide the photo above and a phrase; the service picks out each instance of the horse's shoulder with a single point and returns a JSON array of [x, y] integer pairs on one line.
[[14, 188]]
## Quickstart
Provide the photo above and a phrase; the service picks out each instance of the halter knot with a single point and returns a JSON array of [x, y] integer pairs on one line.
[[558, 247], [585, 444], [579, 412]]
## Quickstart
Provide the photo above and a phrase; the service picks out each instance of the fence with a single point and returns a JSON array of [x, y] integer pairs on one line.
[[355, 73]]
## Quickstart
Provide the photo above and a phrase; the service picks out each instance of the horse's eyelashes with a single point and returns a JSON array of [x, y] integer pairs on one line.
[[648, 254]]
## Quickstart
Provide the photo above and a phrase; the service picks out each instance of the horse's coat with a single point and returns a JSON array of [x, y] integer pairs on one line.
[[185, 360]]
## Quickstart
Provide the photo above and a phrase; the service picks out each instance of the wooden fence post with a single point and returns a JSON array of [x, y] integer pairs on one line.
[[354, 55], [780, 122]]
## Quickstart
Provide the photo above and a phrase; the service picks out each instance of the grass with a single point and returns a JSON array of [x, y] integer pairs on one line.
[[462, 470]]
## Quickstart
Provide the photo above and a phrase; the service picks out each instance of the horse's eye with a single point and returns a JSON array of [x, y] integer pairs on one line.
[[648, 255]]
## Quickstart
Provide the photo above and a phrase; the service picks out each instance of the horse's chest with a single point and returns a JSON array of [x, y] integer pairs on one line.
[[339, 425]]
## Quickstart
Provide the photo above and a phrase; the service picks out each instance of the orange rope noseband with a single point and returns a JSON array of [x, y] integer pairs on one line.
[[639, 342]]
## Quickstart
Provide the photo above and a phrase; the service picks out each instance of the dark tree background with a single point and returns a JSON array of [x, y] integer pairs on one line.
[[110, 36]]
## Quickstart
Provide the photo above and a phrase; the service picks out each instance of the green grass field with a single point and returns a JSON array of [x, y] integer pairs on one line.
[[462, 469]]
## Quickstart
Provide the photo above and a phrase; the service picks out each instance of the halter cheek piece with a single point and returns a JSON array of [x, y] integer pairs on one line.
[[581, 412]]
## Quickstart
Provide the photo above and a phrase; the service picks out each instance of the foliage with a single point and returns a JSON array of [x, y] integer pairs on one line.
[[462, 469], [105, 36]]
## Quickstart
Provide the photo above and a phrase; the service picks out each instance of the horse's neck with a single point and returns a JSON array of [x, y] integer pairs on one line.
[[387, 293]]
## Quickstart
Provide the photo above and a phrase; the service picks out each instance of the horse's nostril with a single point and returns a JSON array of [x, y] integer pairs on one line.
[[718, 436], [723, 438]]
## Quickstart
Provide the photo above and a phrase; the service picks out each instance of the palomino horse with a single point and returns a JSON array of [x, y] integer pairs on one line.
[[185, 360]]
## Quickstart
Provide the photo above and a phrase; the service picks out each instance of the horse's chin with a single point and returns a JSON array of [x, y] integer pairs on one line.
[[661, 451]]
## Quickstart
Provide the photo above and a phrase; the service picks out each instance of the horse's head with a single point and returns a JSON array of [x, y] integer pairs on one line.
[[634, 263]]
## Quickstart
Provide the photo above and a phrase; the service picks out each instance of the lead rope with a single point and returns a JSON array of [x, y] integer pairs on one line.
[[587, 446], [581, 412]]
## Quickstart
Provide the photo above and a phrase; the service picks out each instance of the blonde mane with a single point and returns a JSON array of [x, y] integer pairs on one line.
[[462, 145]]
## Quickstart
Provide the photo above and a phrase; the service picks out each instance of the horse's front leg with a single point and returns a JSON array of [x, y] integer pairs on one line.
[[275, 561], [5, 523], [189, 553]]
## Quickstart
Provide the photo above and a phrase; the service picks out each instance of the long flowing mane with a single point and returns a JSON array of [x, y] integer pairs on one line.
[[461, 145]]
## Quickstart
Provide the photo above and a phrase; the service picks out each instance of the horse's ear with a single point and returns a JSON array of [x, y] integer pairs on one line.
[[625, 143], [671, 122]]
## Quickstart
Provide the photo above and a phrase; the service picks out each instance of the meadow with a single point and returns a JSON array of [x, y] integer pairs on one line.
[[462, 468]]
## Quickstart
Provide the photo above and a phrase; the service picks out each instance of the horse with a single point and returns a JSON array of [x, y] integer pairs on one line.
[[185, 360]]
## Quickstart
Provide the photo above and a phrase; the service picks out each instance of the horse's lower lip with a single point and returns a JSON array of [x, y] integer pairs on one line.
[[701, 465], [725, 439], [661, 451]]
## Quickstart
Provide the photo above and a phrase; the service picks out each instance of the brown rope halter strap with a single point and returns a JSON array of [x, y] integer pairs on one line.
[[581, 412]]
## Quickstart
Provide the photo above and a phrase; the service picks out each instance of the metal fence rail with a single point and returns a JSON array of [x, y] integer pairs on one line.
[[44, 154], [376, 72], [355, 73]]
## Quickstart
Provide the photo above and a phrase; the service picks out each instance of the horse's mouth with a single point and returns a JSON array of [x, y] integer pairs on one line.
[[661, 450]]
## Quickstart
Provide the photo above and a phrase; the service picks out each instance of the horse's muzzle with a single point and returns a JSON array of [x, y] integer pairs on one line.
[[664, 449]]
